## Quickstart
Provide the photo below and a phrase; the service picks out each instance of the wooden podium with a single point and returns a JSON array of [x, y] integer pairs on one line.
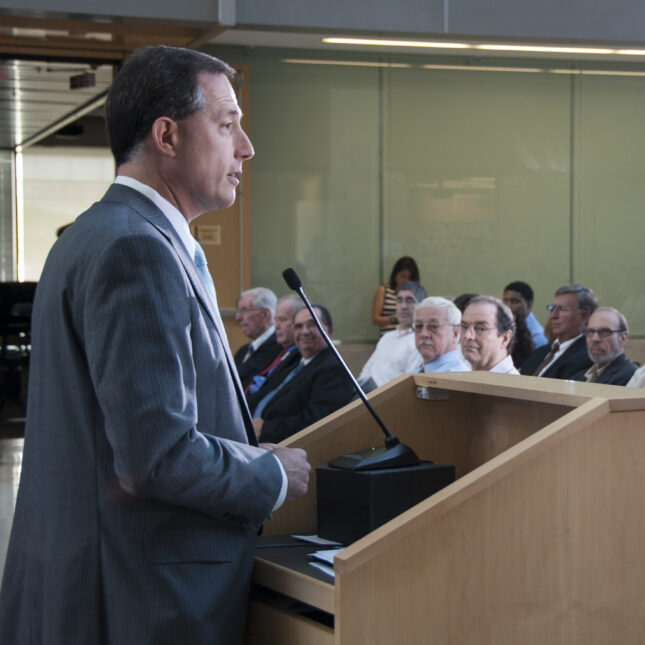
[[539, 539]]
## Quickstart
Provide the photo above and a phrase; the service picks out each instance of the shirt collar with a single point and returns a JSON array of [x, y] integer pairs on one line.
[[261, 338], [176, 219], [448, 357]]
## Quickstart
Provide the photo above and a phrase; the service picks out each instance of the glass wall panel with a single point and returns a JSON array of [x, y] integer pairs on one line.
[[7, 252], [315, 184], [59, 184], [477, 169], [610, 192]]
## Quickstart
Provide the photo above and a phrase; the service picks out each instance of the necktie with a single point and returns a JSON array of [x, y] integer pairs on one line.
[[548, 358], [204, 274], [263, 402]]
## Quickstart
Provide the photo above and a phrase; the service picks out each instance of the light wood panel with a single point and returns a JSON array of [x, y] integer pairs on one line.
[[537, 541]]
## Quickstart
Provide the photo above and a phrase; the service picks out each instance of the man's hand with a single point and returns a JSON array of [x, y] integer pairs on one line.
[[295, 464]]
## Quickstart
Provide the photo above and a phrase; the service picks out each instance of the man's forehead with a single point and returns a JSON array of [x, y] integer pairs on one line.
[[219, 90], [284, 308], [566, 297], [608, 318], [431, 313], [404, 293], [480, 313], [513, 295], [304, 314]]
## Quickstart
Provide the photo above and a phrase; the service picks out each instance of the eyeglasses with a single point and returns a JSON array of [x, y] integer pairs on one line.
[[605, 332], [560, 308], [478, 328], [245, 311], [432, 327]]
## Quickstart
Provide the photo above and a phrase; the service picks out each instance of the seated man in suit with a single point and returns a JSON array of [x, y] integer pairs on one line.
[[607, 335], [316, 387], [254, 315], [436, 333], [518, 296], [487, 328], [567, 354], [288, 357], [395, 352]]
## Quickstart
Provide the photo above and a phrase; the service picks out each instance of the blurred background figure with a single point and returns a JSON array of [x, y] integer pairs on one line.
[[384, 302], [395, 353], [518, 296]]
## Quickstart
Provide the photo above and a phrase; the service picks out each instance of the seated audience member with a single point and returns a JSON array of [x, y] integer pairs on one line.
[[487, 328], [395, 352], [285, 310], [522, 341], [607, 335], [314, 388], [638, 378], [519, 297], [567, 354], [436, 333], [254, 315]]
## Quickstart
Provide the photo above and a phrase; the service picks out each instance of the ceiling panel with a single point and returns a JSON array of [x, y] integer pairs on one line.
[[36, 94]]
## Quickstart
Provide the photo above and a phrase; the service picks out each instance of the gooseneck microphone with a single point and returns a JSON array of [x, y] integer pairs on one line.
[[393, 453]]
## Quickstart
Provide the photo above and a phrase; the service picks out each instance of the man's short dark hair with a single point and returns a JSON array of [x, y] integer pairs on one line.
[[154, 82], [522, 288], [504, 319], [418, 291], [323, 315], [587, 300]]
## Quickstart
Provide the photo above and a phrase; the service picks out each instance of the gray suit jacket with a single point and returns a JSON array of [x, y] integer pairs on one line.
[[140, 498]]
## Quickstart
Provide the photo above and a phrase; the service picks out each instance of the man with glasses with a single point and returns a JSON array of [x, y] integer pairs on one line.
[[254, 315], [395, 352], [487, 329], [567, 354], [436, 333], [607, 335]]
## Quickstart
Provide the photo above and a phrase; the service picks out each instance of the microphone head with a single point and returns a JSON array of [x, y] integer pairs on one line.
[[292, 279]]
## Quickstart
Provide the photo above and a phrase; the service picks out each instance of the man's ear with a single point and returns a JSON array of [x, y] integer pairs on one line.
[[508, 337], [164, 135]]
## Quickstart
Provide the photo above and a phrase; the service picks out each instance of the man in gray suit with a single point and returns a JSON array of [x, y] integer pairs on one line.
[[141, 495]]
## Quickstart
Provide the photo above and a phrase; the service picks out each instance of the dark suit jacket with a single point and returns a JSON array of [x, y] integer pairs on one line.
[[275, 378], [618, 372], [140, 497], [318, 390], [574, 360], [264, 354]]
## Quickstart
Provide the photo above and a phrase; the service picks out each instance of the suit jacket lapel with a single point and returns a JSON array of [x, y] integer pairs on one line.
[[142, 205]]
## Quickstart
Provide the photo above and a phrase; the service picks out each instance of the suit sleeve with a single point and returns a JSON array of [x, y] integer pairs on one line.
[[141, 322], [297, 408]]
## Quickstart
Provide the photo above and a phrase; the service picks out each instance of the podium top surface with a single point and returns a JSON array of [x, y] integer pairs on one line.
[[533, 388]]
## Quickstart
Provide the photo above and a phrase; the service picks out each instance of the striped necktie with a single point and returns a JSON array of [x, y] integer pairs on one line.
[[204, 274], [263, 402], [548, 358]]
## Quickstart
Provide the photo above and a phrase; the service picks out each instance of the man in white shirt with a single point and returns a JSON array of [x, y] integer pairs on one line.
[[395, 352], [487, 329]]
